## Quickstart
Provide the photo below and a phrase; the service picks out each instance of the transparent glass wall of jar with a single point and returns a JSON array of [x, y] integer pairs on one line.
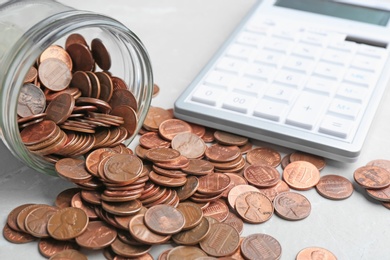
[[28, 27]]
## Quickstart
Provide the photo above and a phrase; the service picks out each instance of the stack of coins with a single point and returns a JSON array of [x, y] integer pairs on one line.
[[66, 108]]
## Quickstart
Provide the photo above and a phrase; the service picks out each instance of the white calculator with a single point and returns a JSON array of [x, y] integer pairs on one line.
[[305, 74]]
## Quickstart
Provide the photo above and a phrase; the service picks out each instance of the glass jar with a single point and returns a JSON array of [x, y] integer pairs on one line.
[[28, 27]]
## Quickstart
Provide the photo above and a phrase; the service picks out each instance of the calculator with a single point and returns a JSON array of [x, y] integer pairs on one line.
[[304, 74]]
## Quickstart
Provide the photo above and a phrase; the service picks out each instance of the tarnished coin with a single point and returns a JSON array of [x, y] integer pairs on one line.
[[372, 177], [22, 215], [185, 252], [72, 169], [254, 207], [189, 144], [194, 235], [222, 153], [106, 86], [97, 235], [261, 176], [16, 237], [36, 221], [318, 161], [12, 216], [143, 234], [60, 108], [226, 138], [222, 240], [75, 38], [69, 254], [315, 253], [301, 175], [49, 246], [81, 57], [54, 74], [264, 156], [164, 219], [169, 128], [31, 101], [100, 54], [39, 132], [261, 246], [81, 81], [67, 223], [188, 189], [292, 205], [334, 187]]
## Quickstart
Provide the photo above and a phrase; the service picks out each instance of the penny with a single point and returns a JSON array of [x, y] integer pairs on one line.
[[123, 97], [97, 235], [198, 167], [129, 116], [118, 83], [54, 74], [22, 215], [334, 187], [152, 140], [222, 240], [226, 138], [169, 128], [236, 191], [164, 219], [315, 253], [192, 213], [95, 84], [271, 192], [235, 222], [301, 175], [168, 173], [81, 57], [185, 252], [217, 209], [156, 90], [222, 153], [318, 161], [123, 168], [203, 198], [38, 132], [262, 176], [167, 181], [72, 169], [31, 75], [16, 237], [69, 254], [60, 108], [235, 180], [372, 177], [64, 198], [285, 161], [57, 52], [67, 223], [380, 163], [49, 246], [36, 221], [382, 195], [77, 202], [188, 189], [124, 221], [189, 144], [31, 101], [106, 86], [81, 81], [127, 250], [154, 117], [228, 166], [162, 154], [100, 54], [292, 205], [260, 246], [194, 235], [264, 156], [213, 184], [12, 216], [254, 207], [143, 234], [178, 163], [122, 208]]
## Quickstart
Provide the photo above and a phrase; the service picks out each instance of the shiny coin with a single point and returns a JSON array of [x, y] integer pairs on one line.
[[189, 144], [334, 187], [123, 168], [49, 246], [372, 177], [254, 207], [222, 153], [169, 128], [56, 52], [69, 254], [318, 161], [292, 206], [17, 237], [194, 235], [36, 221], [226, 138], [192, 213], [67, 223], [301, 175], [143, 234], [213, 184], [264, 156], [261, 246], [217, 209], [127, 250], [185, 252], [262, 176]]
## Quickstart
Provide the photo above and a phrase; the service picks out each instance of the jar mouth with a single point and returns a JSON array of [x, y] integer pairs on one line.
[[130, 62]]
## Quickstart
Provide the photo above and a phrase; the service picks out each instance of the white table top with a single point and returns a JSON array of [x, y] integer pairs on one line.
[[181, 35]]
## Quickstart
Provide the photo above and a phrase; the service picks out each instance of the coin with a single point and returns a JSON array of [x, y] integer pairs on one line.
[[185, 252], [318, 161], [100, 54], [382, 195], [292, 205], [315, 253], [380, 163], [54, 74], [12, 216], [57, 52], [334, 187], [123, 168], [217, 209], [16, 237], [236, 191], [123, 97], [36, 221], [127, 250], [69, 254], [264, 156], [198, 167], [81, 81], [192, 213], [106, 86], [67, 223], [49, 246], [154, 117], [60, 108], [97, 235], [226, 138], [235, 222], [72, 169], [254, 207], [372, 177], [301, 175], [81, 57], [260, 246], [189, 144], [38, 132], [222, 153], [31, 101], [271, 192], [122, 208], [75, 38], [164, 219], [262, 176], [169, 128], [143, 234], [162, 154]]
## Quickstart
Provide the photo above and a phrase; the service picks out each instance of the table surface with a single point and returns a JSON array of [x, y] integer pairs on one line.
[[181, 36]]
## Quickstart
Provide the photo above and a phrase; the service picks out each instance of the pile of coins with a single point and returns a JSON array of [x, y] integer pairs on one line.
[[66, 108]]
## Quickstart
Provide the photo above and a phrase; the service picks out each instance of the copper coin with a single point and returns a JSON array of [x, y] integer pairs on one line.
[[178, 163], [54, 74], [169, 128], [16, 237], [31, 101], [60, 108], [264, 156], [235, 180], [217, 209], [254, 207], [315, 253], [261, 176], [154, 117], [36, 221], [81, 81], [194, 235], [31, 75], [95, 84], [127, 250], [213, 184], [185, 252], [38, 132], [226, 138], [236, 191], [106, 86], [97, 235], [21, 217], [124, 221], [222, 240], [118, 83], [123, 97], [334, 187], [156, 90], [67, 223], [380, 163], [168, 173], [271, 192], [153, 140], [164, 219], [192, 213], [129, 116], [301, 175], [69, 254], [57, 52], [382, 195], [372, 177], [12, 216], [100, 54], [64, 198], [77, 202], [75, 38], [199, 167], [285, 161], [91, 196], [162, 154], [318, 161], [72, 169], [235, 222], [222, 153], [230, 165], [122, 208], [81, 57], [123, 168], [143, 234], [189, 144], [292, 205], [49, 246], [188, 189], [261, 246]]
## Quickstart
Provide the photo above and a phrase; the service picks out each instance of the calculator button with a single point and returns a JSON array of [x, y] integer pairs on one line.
[[328, 70], [289, 78], [314, 39], [219, 79], [250, 86], [270, 110], [306, 51], [271, 58], [336, 126], [298, 64], [321, 85], [307, 110], [281, 93], [336, 57], [238, 102], [285, 34], [240, 51], [345, 46], [278, 45], [260, 71], [365, 63], [257, 28], [208, 95], [360, 77], [344, 108], [352, 92], [250, 39], [230, 65], [372, 51]]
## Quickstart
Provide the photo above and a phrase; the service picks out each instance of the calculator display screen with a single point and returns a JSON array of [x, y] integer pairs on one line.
[[340, 10]]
